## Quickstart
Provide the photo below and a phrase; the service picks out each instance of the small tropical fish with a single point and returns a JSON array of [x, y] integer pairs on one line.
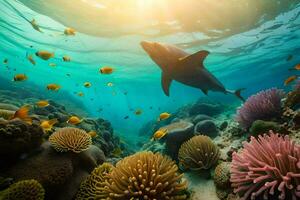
[[5, 61], [80, 94], [68, 75], [66, 58], [20, 77], [48, 124], [138, 112], [69, 31], [35, 26], [290, 79], [22, 114], [159, 134], [87, 84], [163, 116], [125, 93], [45, 55], [110, 84], [74, 120], [290, 57], [53, 87], [297, 67], [93, 134], [30, 58], [106, 70], [52, 64], [126, 117], [42, 103]]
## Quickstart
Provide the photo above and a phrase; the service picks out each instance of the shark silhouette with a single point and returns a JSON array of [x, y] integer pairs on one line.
[[185, 68]]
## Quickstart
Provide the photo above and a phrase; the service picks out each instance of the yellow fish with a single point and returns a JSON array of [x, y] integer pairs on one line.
[[42, 103], [69, 31], [48, 124], [35, 25], [106, 70], [74, 120], [110, 84], [53, 87], [297, 67], [22, 114], [52, 64], [87, 84], [159, 134], [45, 55], [20, 77], [138, 112], [290, 79], [66, 58], [30, 58], [163, 116], [93, 134], [80, 94]]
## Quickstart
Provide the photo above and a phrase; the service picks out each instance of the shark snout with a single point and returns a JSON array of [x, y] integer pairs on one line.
[[146, 45]]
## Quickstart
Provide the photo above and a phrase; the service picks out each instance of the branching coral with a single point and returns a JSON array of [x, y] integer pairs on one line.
[[264, 105], [25, 190], [94, 183], [268, 168], [145, 175], [70, 139], [198, 153]]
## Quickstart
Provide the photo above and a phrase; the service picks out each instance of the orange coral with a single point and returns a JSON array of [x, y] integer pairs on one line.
[[70, 139]]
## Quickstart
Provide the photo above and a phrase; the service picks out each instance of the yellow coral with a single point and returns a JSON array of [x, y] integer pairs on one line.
[[93, 185], [70, 139], [198, 153], [145, 175], [25, 190]]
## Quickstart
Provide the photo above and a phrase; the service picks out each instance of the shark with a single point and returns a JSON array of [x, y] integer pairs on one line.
[[176, 64]]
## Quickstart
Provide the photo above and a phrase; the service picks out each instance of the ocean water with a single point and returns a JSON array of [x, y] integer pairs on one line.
[[252, 45]]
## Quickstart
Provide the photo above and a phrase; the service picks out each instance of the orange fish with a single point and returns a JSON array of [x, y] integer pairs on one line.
[[35, 26], [297, 67], [138, 112], [69, 31], [52, 64], [92, 134], [42, 103], [87, 84], [159, 134], [30, 58], [45, 55], [106, 70], [74, 120], [53, 87], [290, 79], [66, 58], [48, 124], [20, 77], [22, 114], [80, 94]]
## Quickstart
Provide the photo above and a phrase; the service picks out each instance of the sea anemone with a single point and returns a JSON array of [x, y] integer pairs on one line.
[[198, 153], [94, 184], [267, 167], [25, 190], [70, 139], [264, 105], [145, 175]]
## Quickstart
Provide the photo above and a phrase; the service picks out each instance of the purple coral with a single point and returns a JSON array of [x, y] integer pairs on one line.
[[267, 168], [263, 105]]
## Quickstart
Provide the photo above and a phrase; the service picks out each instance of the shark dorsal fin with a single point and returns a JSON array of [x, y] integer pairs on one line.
[[195, 59], [165, 83]]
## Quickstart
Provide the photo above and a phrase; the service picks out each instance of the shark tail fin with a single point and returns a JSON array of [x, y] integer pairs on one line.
[[237, 93]]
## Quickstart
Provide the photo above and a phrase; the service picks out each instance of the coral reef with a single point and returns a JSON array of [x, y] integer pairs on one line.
[[25, 190], [145, 176], [94, 184], [264, 105], [198, 153], [222, 175], [70, 139], [268, 168], [260, 126], [206, 127]]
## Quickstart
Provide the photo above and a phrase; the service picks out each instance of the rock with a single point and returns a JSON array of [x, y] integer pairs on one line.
[[206, 109], [10, 107], [206, 127], [260, 127], [201, 117], [223, 125], [178, 133]]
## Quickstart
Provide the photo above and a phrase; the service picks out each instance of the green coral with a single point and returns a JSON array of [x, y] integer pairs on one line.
[[24, 190], [94, 183], [261, 127]]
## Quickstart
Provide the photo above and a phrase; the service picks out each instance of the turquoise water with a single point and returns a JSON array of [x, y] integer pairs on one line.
[[249, 49]]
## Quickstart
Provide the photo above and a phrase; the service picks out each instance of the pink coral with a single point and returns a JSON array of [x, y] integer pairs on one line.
[[264, 105], [267, 167]]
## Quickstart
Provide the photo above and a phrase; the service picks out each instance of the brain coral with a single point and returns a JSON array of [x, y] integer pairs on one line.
[[267, 168], [145, 175], [70, 139], [264, 105], [198, 153], [25, 190], [94, 183]]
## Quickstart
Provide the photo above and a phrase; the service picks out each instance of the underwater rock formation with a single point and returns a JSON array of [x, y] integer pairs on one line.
[[205, 108], [145, 175], [199, 118], [24, 190], [260, 127], [198, 153], [268, 168], [206, 127], [264, 105], [17, 138]]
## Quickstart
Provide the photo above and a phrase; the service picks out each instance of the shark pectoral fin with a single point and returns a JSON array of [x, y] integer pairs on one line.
[[165, 83], [195, 59], [204, 91]]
